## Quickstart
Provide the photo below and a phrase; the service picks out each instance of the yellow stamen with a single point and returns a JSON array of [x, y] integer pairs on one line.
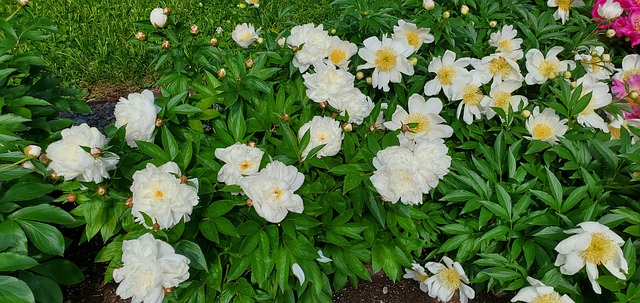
[[502, 100], [471, 95], [449, 278], [506, 44], [615, 132], [601, 249], [630, 73], [385, 59], [421, 277], [565, 5], [277, 192], [548, 298], [158, 194], [422, 121], [596, 64], [549, 69], [245, 165], [542, 131], [413, 38], [337, 55], [500, 66], [246, 36], [446, 74]]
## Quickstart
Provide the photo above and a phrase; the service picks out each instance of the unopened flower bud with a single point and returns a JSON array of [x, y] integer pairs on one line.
[[141, 36], [446, 14], [594, 53], [249, 202], [156, 227], [369, 80], [23, 2], [372, 128], [44, 159], [248, 63], [526, 113], [334, 115], [166, 10], [166, 44], [281, 41], [610, 33], [428, 4], [333, 31], [574, 84], [183, 179], [359, 75], [221, 73], [294, 48], [323, 104], [71, 198], [238, 79], [365, 13], [633, 95], [95, 152], [32, 151], [194, 30], [158, 18], [53, 175], [464, 10], [493, 23], [347, 127], [260, 40], [606, 58], [28, 165], [129, 202], [413, 61], [213, 42], [101, 191], [405, 128], [168, 290], [553, 75], [159, 122], [286, 117], [242, 5], [567, 75], [251, 144]]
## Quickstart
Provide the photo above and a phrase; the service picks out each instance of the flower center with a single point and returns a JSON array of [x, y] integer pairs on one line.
[[505, 44], [615, 132], [385, 59], [413, 38], [548, 298], [449, 278], [601, 249], [446, 74], [636, 25], [245, 165], [158, 194], [322, 136], [549, 69], [595, 63], [471, 95], [502, 100], [421, 277], [500, 66], [277, 193], [565, 5], [630, 73], [337, 55], [246, 36], [542, 131], [422, 123]]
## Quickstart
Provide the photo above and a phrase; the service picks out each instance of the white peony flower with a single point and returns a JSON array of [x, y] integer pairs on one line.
[[340, 52], [272, 191], [448, 70], [327, 83], [630, 67], [591, 60], [446, 280], [422, 121], [543, 68], [417, 273], [433, 158], [240, 160], [468, 89], [354, 103], [323, 130], [379, 124], [610, 10], [150, 267], [397, 176], [501, 95], [498, 67], [69, 160], [158, 18], [545, 126], [592, 244], [388, 58], [539, 292], [312, 42], [244, 34], [415, 36], [160, 193], [138, 114], [506, 42], [564, 6], [600, 97]]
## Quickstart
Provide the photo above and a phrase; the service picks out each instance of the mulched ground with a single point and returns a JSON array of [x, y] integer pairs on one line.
[[93, 290]]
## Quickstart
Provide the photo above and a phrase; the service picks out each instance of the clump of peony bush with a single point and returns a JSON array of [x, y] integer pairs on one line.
[[499, 140]]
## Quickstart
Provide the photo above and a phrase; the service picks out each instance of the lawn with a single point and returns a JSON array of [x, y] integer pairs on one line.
[[92, 49]]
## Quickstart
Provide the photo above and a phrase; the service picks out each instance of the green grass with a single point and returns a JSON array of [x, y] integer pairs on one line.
[[92, 49]]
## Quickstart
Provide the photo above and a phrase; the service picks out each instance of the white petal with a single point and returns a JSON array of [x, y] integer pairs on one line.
[[322, 258], [297, 271]]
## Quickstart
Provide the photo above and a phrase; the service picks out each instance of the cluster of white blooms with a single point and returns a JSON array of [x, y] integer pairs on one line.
[[422, 120], [403, 173], [311, 45], [150, 268], [240, 160], [322, 131], [244, 34], [138, 115], [445, 280]]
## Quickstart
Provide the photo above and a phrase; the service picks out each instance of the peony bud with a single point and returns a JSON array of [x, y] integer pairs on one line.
[[129, 202], [526, 113], [294, 48], [141, 36], [347, 127], [359, 75], [413, 60], [53, 176], [493, 23], [594, 53], [166, 10], [567, 75], [553, 76], [242, 5], [249, 202], [365, 13], [333, 31], [446, 14], [32, 151], [158, 17], [334, 115], [610, 33], [23, 2], [248, 63], [194, 30], [372, 128], [168, 290], [281, 41], [159, 122], [221, 73], [28, 165], [71, 198], [464, 10], [183, 179], [633, 95], [323, 104], [260, 40], [574, 84], [286, 117], [251, 144], [213, 42], [428, 4], [166, 44], [95, 152], [405, 128], [101, 191], [369, 80], [156, 227], [606, 58], [44, 159]]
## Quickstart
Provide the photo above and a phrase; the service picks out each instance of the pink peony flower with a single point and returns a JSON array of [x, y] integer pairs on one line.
[[629, 26], [619, 90]]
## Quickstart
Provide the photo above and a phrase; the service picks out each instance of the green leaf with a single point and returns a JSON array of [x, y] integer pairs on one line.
[[169, 142], [219, 208], [547, 199], [193, 252], [214, 278], [11, 236], [44, 289], [504, 199], [236, 123], [10, 261], [44, 213], [61, 271], [225, 226], [254, 82], [13, 290], [25, 191], [351, 182], [574, 198], [45, 237], [556, 187], [186, 109], [152, 150]]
